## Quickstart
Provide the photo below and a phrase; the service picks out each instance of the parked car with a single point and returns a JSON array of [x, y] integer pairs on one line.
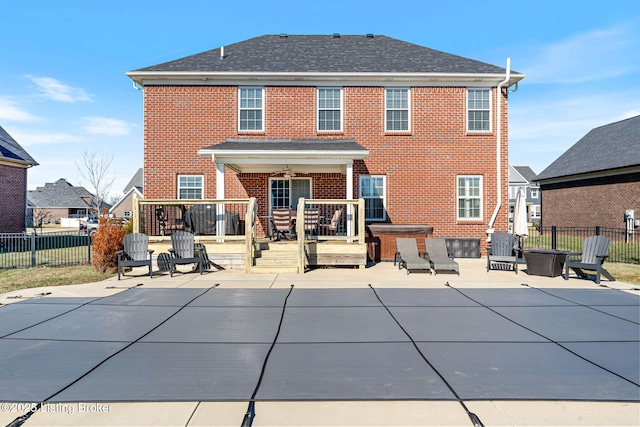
[[89, 225]]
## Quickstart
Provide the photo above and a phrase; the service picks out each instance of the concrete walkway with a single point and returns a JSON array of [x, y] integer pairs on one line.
[[330, 413]]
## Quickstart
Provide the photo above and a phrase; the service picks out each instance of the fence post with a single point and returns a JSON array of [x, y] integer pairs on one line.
[[597, 230], [89, 248], [32, 237], [554, 237]]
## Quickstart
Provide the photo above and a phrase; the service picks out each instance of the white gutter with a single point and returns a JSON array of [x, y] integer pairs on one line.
[[490, 230]]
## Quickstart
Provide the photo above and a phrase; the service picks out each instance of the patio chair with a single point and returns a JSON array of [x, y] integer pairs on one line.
[[594, 252], [332, 227], [136, 253], [163, 221], [281, 222], [439, 257], [183, 251], [501, 254], [408, 256], [311, 221]]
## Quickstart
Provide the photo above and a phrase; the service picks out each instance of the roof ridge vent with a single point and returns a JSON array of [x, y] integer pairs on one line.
[[336, 35], [369, 36], [283, 36]]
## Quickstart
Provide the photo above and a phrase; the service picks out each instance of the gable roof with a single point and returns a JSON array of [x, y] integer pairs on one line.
[[326, 54], [59, 194], [606, 148], [526, 173], [135, 182], [12, 152]]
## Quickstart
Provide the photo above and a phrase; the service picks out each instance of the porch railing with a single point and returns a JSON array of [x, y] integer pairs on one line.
[[328, 219], [223, 218]]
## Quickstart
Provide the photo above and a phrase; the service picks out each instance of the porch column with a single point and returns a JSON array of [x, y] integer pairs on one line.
[[349, 184], [219, 195]]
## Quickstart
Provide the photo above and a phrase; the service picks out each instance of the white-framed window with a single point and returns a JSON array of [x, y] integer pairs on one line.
[[190, 186], [478, 110], [469, 199], [534, 210], [373, 190], [329, 109], [250, 109], [396, 110], [535, 193]]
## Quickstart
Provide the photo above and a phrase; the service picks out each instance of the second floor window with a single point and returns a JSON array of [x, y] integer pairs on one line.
[[250, 109], [190, 187], [396, 110], [329, 110], [535, 193], [478, 110]]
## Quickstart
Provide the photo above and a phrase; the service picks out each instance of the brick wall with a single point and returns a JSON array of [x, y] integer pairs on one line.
[[13, 193], [592, 202], [420, 165]]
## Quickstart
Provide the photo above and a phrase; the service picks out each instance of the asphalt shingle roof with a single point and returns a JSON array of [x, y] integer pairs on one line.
[[326, 54], [11, 150], [136, 181], [609, 147], [59, 194], [287, 145], [526, 173]]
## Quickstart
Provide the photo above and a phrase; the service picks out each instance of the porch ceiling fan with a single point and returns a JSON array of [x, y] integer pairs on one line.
[[288, 173]]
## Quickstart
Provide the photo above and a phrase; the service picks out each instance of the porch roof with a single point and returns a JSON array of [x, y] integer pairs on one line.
[[249, 155]]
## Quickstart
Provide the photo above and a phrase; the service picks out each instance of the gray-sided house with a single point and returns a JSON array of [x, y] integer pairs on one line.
[[14, 163], [134, 189], [523, 177]]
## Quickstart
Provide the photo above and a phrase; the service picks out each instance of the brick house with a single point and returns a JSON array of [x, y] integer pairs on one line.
[[61, 199], [420, 134], [596, 180], [14, 163]]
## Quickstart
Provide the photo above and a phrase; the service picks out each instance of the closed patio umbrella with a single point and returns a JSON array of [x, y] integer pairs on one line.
[[520, 226]]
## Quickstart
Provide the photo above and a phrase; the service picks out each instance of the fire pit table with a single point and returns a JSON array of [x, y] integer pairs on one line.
[[545, 262]]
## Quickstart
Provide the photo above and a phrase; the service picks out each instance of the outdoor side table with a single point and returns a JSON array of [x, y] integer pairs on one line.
[[545, 262]]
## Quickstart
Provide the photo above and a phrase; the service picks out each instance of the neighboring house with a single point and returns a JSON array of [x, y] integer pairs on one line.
[[523, 177], [62, 200], [14, 162], [596, 180], [420, 134], [123, 208]]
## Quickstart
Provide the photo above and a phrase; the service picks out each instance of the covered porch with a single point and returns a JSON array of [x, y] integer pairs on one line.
[[228, 230]]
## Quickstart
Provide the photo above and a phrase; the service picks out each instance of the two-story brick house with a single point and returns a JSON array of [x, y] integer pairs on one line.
[[420, 134]]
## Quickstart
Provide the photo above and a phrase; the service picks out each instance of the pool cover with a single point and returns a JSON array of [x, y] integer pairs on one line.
[[218, 344]]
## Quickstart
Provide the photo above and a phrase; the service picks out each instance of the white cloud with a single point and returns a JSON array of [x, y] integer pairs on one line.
[[11, 111], [106, 126], [585, 57], [27, 139], [57, 91]]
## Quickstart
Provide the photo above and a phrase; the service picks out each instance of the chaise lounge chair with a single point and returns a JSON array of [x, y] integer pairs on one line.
[[593, 255], [409, 257], [439, 257]]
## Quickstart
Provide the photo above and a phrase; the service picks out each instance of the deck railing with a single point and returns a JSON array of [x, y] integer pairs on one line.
[[328, 219], [223, 218]]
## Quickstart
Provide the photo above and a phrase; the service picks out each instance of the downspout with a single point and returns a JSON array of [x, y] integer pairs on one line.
[[490, 230]]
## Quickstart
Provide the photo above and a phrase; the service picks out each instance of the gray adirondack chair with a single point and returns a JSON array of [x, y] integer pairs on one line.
[[439, 257], [183, 251], [408, 256], [501, 253], [136, 253], [594, 252]]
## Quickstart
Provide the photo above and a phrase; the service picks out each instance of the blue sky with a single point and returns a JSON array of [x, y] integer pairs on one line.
[[63, 88]]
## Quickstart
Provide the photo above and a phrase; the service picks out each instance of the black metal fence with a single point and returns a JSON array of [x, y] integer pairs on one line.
[[55, 249], [625, 246]]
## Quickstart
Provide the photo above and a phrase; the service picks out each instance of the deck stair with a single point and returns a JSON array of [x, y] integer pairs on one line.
[[275, 257]]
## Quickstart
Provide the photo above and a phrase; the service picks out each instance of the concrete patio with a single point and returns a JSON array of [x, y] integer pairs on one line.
[[412, 300]]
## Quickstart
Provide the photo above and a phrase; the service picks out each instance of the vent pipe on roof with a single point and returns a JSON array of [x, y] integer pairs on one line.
[[221, 52], [498, 147]]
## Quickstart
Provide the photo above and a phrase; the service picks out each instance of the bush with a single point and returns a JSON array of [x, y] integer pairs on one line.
[[105, 242], [128, 226]]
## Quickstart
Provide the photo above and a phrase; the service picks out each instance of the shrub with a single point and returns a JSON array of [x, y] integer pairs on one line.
[[105, 242], [128, 226]]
